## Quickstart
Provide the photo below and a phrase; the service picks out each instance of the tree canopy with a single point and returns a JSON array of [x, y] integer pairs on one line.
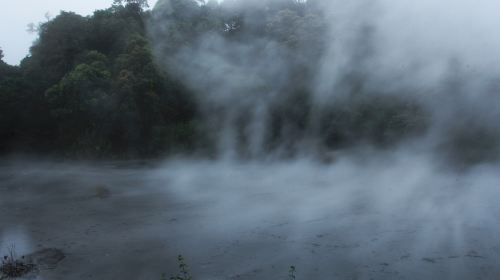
[[109, 84]]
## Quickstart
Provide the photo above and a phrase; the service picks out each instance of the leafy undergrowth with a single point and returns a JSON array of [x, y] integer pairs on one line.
[[185, 275]]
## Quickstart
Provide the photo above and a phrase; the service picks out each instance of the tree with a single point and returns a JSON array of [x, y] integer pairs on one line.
[[61, 41], [109, 30], [297, 31], [153, 112], [81, 103], [141, 4], [91, 85], [137, 89], [1, 54]]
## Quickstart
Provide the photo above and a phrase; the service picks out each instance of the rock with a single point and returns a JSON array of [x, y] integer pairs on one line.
[[46, 258], [102, 192]]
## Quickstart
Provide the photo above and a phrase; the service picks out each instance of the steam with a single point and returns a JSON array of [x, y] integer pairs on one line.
[[372, 214], [417, 40], [438, 60], [370, 153], [400, 97]]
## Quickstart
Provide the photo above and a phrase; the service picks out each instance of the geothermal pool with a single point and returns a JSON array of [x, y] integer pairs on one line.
[[394, 216]]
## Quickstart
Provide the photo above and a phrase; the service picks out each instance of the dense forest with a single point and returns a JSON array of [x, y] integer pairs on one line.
[[129, 81], [90, 86]]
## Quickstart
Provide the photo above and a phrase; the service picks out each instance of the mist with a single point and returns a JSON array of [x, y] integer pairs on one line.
[[433, 64], [351, 140], [370, 215]]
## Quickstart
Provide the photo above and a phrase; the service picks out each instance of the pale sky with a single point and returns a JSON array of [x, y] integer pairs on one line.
[[16, 15]]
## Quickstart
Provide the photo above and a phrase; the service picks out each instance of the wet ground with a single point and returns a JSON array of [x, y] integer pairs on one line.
[[393, 219]]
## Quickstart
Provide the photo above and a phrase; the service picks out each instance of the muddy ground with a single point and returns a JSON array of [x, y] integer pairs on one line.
[[384, 220]]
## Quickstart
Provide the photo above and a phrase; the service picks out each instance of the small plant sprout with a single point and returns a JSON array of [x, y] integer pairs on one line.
[[291, 273], [183, 270], [185, 275]]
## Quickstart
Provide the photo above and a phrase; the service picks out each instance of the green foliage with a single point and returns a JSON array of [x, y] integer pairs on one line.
[[297, 29], [470, 142], [180, 22], [81, 102], [109, 30], [54, 54], [91, 88], [289, 121], [375, 120], [139, 3], [15, 106]]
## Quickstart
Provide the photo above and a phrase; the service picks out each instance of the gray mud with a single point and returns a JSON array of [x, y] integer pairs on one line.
[[390, 219]]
